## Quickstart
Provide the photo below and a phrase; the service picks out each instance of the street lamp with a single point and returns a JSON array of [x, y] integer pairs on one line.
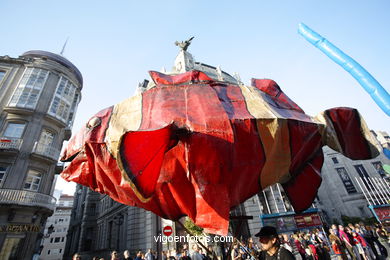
[[118, 221]]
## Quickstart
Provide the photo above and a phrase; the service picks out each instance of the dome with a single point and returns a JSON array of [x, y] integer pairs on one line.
[[57, 58]]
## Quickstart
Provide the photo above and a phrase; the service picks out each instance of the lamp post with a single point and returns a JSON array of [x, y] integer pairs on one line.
[[118, 221]]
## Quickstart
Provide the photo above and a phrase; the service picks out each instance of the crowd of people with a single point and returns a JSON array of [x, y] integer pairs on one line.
[[356, 242]]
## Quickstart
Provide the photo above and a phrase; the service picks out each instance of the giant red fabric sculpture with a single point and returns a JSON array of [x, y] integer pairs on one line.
[[196, 146]]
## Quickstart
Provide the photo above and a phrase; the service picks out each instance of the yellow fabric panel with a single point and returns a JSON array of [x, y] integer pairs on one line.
[[275, 137], [126, 116], [255, 103]]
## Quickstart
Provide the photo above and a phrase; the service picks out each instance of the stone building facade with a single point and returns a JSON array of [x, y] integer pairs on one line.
[[100, 225], [346, 182], [39, 94]]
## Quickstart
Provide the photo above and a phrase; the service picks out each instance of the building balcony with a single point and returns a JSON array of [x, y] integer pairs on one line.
[[27, 198], [46, 151], [10, 143]]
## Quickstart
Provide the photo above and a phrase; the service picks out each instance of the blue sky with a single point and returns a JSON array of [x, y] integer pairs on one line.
[[115, 43]]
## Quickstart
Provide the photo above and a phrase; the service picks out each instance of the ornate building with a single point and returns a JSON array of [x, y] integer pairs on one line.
[[39, 94], [100, 225]]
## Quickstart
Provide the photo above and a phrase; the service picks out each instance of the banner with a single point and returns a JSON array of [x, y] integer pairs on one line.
[[383, 213], [307, 220]]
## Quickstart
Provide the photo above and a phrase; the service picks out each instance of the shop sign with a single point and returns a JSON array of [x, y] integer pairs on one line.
[[307, 220], [18, 228], [383, 213]]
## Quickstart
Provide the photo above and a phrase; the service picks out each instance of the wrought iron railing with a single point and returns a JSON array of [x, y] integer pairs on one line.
[[46, 150], [27, 198], [10, 143]]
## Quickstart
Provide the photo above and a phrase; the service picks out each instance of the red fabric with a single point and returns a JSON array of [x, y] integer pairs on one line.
[[346, 122], [272, 88], [314, 251], [152, 145], [336, 249], [187, 77], [306, 163], [302, 188], [358, 239], [197, 151]]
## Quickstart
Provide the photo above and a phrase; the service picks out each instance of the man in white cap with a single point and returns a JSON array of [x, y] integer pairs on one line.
[[271, 249]]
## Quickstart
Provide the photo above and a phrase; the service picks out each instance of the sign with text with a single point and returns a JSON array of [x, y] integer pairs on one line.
[[18, 228], [383, 213], [307, 220]]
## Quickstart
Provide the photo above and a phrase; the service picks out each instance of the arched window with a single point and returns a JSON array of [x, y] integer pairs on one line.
[[29, 89]]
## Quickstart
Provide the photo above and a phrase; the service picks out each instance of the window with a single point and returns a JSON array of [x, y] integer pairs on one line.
[[57, 240], [346, 180], [30, 88], [14, 130], [47, 137], [51, 240], [379, 168], [33, 180], [3, 171], [335, 161], [48, 252], [60, 250], [62, 239], [363, 175], [64, 101], [2, 74]]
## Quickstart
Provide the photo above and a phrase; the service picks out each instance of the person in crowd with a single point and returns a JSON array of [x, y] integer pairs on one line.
[[164, 255], [367, 234], [299, 246], [361, 230], [337, 250], [202, 254], [149, 255], [359, 245], [210, 253], [355, 248], [285, 242], [76, 256], [139, 256], [126, 255], [171, 255], [383, 239], [235, 253], [334, 239], [195, 253], [335, 229], [313, 251], [184, 255], [114, 255], [270, 244], [347, 241], [252, 249]]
